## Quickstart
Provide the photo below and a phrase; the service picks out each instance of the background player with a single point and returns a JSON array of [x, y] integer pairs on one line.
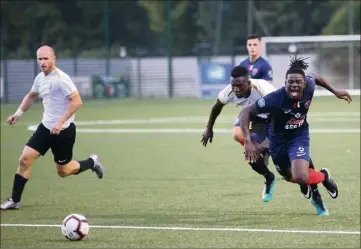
[[288, 132], [57, 130], [257, 66], [243, 91]]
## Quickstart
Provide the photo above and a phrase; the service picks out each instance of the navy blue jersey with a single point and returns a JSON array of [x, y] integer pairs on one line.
[[260, 69], [288, 118]]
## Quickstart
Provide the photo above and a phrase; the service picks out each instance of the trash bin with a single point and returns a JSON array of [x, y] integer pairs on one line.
[[110, 86]]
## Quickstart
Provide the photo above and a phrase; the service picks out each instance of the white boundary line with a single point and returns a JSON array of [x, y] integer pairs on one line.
[[185, 130], [198, 229], [313, 117]]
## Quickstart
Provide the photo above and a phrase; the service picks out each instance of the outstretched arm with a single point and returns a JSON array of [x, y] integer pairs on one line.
[[216, 110], [208, 134], [24, 106], [339, 93]]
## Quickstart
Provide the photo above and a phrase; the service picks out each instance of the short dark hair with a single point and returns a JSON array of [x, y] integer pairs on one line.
[[251, 37], [239, 71], [297, 65]]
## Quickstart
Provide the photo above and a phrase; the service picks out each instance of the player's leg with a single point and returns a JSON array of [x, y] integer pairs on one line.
[[300, 150], [261, 168], [37, 145], [313, 188], [237, 134], [304, 175], [283, 165], [258, 135], [62, 148], [305, 190]]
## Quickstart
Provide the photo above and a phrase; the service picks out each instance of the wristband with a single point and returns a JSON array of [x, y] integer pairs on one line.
[[18, 113]]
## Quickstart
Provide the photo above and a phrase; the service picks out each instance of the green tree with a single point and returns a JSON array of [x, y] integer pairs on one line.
[[183, 23], [156, 12], [39, 23], [338, 24]]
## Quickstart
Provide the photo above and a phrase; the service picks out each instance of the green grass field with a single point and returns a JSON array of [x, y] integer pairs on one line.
[[167, 180]]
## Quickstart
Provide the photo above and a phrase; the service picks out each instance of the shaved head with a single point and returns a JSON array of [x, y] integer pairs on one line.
[[46, 59], [46, 49]]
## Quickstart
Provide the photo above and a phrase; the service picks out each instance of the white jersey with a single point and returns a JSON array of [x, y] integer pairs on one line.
[[54, 90], [260, 88]]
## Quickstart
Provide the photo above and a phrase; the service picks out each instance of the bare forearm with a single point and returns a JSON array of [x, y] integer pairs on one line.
[[320, 81], [72, 108], [27, 102], [216, 110]]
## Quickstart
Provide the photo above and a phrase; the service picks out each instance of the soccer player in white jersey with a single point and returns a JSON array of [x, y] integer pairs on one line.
[[243, 91], [56, 131]]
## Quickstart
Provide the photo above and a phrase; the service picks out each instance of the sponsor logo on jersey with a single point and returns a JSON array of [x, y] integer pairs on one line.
[[307, 104], [294, 123], [261, 102], [254, 71], [270, 73]]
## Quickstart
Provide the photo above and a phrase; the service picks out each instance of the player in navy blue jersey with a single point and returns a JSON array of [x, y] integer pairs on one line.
[[288, 130], [257, 66]]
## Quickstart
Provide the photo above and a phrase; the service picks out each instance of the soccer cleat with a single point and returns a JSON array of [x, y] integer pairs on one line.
[[98, 168], [306, 191], [9, 204], [317, 202], [330, 184], [268, 189]]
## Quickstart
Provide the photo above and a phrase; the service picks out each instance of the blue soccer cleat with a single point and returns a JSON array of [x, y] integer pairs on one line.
[[268, 189], [317, 202]]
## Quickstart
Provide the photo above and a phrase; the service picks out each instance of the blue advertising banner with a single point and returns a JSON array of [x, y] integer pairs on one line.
[[213, 78]]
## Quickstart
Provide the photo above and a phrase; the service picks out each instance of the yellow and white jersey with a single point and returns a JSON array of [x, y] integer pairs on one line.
[[54, 90], [260, 88]]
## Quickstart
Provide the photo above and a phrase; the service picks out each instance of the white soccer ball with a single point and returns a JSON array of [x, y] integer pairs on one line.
[[75, 227]]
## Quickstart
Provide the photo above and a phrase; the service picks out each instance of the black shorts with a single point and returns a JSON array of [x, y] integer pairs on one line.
[[61, 145]]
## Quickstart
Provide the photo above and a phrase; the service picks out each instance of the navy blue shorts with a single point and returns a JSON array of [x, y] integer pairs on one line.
[[283, 155]]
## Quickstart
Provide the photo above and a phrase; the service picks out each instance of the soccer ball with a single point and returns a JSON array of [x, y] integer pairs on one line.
[[75, 227]]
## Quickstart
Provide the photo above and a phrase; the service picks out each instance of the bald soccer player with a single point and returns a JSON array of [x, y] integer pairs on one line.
[[56, 131]]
